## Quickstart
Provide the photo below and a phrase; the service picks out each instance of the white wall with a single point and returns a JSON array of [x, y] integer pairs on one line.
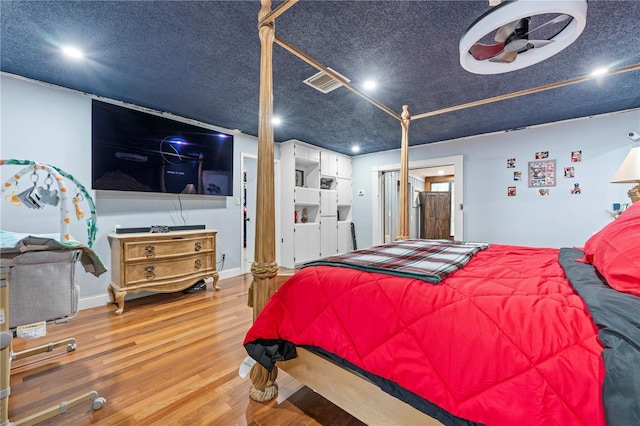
[[557, 220], [53, 126]]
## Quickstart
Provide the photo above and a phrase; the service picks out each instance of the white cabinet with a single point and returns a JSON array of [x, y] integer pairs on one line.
[[344, 191], [306, 240], [345, 239], [344, 166], [316, 184], [328, 202], [329, 236], [305, 152], [328, 163], [306, 196]]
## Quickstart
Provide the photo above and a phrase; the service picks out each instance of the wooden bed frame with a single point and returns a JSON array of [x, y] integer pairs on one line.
[[352, 392]]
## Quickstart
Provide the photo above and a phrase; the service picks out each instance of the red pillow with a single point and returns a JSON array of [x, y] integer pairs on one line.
[[615, 251]]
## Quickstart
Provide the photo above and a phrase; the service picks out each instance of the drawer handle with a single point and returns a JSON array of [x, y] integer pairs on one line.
[[149, 251], [148, 272], [198, 246], [198, 263]]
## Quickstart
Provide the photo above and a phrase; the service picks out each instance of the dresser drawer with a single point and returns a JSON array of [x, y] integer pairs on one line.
[[150, 271], [164, 248]]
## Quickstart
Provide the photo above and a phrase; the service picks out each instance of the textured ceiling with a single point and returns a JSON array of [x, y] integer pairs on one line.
[[200, 60]]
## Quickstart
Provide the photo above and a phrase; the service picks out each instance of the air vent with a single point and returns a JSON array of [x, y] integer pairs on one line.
[[324, 82]]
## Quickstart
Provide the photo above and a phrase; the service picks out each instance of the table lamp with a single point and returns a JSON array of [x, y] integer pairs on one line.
[[629, 172]]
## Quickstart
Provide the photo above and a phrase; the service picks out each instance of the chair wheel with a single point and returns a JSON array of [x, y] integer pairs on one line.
[[98, 403]]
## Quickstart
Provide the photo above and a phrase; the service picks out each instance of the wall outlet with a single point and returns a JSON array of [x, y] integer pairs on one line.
[[223, 256]]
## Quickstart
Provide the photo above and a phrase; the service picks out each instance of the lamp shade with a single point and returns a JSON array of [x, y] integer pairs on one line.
[[629, 170]]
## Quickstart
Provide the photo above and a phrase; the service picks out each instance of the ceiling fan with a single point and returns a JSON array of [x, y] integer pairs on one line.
[[513, 39], [508, 24]]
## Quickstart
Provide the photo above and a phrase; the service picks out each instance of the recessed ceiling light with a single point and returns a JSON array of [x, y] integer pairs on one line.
[[369, 85], [276, 121], [600, 71], [72, 52], [355, 148]]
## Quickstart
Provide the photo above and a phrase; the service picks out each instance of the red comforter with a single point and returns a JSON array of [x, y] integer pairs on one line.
[[504, 341]]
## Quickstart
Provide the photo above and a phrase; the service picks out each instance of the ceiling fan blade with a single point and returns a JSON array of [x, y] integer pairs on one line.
[[505, 57], [505, 31], [556, 20], [481, 51], [537, 43], [516, 45]]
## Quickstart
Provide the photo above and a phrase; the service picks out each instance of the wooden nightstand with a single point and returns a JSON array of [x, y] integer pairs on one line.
[[162, 262]]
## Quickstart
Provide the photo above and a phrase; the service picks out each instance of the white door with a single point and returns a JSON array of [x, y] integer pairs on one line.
[[249, 177]]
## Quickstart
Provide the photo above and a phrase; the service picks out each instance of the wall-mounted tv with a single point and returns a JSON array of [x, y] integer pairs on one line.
[[135, 151]]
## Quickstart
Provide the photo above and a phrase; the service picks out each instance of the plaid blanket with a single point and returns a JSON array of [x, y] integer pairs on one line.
[[426, 260]]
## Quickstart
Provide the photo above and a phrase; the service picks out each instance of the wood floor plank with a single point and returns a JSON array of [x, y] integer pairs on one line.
[[169, 359]]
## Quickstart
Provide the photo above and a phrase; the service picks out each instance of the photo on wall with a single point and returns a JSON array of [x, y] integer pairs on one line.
[[542, 173], [541, 155], [576, 156], [576, 189]]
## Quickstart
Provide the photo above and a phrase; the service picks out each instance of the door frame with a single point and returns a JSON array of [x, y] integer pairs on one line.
[[377, 202], [246, 269]]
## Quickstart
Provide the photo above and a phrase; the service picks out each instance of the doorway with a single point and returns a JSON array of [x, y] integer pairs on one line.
[[248, 179], [384, 219]]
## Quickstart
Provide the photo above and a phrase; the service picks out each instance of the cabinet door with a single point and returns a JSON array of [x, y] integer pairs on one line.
[[344, 166], [328, 163], [345, 241], [328, 202], [307, 196], [314, 241], [301, 243], [314, 154], [307, 242], [329, 236], [344, 191], [301, 151]]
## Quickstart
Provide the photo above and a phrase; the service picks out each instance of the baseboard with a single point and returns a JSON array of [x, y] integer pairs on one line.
[[230, 273], [93, 301], [102, 299]]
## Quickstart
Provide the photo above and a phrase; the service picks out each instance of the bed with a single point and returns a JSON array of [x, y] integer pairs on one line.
[[517, 335]]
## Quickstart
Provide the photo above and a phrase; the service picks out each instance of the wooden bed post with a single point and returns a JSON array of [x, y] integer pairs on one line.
[[403, 199], [264, 268]]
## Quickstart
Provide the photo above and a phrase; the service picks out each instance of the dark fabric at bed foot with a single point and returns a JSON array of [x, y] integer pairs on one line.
[[618, 317]]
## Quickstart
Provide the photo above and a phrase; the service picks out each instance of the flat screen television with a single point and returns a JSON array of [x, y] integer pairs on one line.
[[135, 151]]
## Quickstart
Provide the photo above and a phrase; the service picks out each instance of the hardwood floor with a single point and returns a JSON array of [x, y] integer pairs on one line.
[[170, 359]]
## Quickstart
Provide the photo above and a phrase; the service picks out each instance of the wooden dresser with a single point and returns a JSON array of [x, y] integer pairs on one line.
[[162, 262]]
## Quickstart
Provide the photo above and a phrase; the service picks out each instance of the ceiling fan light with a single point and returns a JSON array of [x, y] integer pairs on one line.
[[510, 12]]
